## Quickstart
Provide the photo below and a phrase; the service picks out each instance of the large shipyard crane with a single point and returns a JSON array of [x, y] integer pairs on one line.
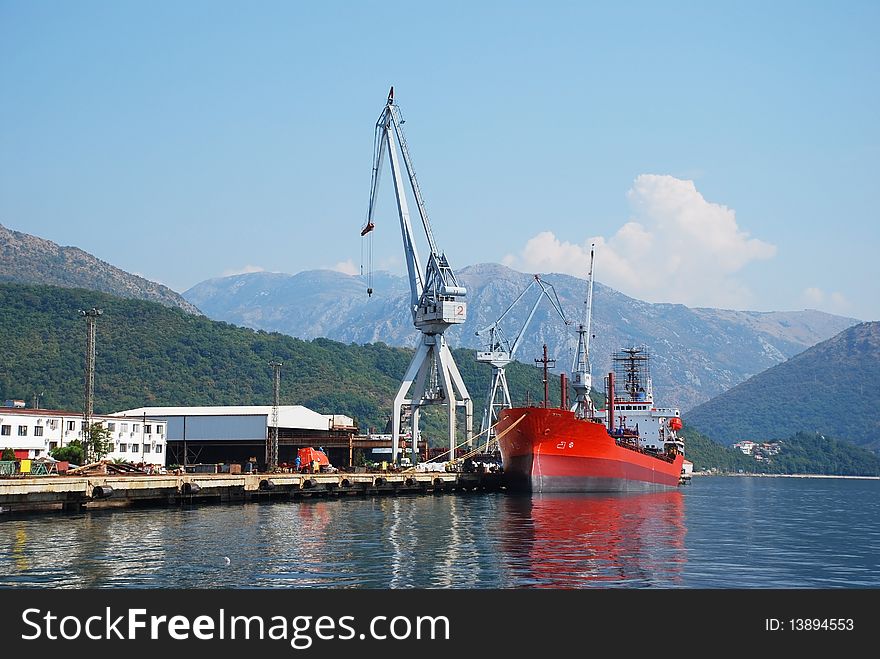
[[581, 375], [436, 299], [500, 352]]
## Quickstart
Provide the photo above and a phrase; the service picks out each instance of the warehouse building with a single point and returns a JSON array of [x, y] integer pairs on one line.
[[238, 434]]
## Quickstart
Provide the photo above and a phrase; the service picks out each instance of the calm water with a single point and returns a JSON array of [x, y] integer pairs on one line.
[[716, 532]]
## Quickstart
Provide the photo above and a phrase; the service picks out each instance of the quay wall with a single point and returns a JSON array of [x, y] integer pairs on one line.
[[76, 493]]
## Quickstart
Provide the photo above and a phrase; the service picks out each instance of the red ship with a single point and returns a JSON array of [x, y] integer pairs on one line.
[[551, 450], [629, 446]]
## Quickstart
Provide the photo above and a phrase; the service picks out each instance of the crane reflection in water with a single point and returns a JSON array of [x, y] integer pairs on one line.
[[604, 540]]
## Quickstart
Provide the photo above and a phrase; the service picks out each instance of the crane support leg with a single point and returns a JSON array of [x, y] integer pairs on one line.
[[414, 365], [414, 451], [448, 364], [419, 395], [449, 397], [490, 416]]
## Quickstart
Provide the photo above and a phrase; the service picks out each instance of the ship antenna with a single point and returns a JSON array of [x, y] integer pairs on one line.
[[582, 379]]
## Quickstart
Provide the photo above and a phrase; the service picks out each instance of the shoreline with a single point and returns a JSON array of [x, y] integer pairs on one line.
[[867, 478]]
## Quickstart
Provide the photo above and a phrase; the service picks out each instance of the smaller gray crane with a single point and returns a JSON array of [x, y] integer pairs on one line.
[[500, 352]]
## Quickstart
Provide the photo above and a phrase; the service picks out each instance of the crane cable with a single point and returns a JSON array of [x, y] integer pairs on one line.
[[369, 262]]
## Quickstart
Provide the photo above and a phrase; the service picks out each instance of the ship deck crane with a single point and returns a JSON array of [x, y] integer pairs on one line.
[[500, 352], [581, 372], [437, 301]]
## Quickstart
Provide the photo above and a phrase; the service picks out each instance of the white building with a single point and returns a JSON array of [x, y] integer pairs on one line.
[[32, 433], [746, 446]]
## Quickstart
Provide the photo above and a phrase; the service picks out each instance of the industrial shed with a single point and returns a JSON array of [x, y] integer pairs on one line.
[[239, 433]]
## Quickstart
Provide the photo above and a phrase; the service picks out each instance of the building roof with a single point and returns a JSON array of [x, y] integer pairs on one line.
[[289, 416], [31, 411]]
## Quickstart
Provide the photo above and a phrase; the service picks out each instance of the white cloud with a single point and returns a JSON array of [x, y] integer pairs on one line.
[[243, 270], [346, 267], [834, 302], [677, 247], [813, 297]]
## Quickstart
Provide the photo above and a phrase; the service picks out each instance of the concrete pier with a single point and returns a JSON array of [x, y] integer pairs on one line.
[[75, 493]]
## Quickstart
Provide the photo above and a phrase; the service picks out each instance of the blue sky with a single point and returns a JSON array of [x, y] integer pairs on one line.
[[720, 154]]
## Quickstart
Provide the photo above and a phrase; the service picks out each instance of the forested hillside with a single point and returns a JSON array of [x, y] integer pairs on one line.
[[148, 354], [832, 388]]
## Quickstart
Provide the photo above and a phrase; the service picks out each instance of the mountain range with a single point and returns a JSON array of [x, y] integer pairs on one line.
[[151, 354], [832, 388], [28, 259], [697, 352]]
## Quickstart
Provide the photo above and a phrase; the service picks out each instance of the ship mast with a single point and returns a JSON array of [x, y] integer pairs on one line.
[[581, 376], [547, 363]]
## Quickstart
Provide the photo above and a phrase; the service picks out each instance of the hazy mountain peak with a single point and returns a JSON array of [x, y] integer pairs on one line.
[[698, 353], [34, 260]]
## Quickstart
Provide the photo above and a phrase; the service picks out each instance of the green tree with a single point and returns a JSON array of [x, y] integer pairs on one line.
[[99, 441], [72, 453], [8, 455]]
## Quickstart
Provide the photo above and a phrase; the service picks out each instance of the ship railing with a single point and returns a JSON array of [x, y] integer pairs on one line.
[[666, 411], [624, 443]]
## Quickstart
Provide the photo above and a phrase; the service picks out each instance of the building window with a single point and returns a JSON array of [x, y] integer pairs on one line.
[[148, 429], [53, 445], [135, 448], [71, 425], [111, 426], [22, 431], [5, 430], [123, 448], [123, 427], [158, 448], [136, 427], [53, 424], [160, 429], [38, 431], [146, 448]]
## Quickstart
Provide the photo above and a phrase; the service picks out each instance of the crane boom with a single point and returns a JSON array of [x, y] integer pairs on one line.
[[546, 290]]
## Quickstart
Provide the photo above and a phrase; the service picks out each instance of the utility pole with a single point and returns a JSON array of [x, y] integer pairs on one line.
[[272, 453], [91, 316]]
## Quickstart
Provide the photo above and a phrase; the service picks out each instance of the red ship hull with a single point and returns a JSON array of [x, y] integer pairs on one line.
[[550, 450]]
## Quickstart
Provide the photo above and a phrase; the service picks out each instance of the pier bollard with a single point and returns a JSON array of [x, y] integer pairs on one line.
[[102, 491], [190, 488]]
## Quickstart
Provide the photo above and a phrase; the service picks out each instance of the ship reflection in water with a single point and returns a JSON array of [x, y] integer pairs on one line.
[[598, 540]]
